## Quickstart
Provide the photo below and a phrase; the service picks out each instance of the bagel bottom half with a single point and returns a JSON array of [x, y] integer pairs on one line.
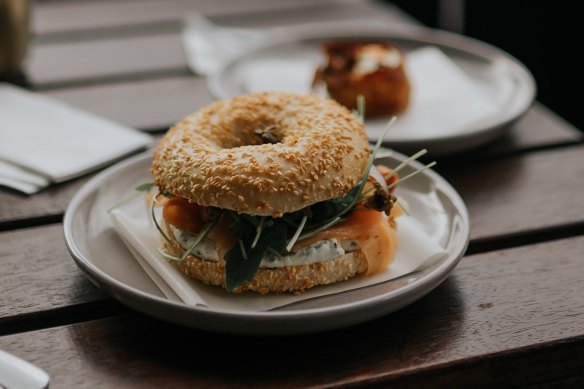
[[291, 279]]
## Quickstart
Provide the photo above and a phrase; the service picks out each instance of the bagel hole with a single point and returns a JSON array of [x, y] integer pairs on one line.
[[250, 130], [268, 134]]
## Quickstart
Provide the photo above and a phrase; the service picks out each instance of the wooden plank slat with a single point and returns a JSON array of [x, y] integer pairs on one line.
[[59, 62], [85, 58], [145, 104], [38, 273], [16, 207], [502, 319], [80, 60], [539, 127], [67, 16], [54, 17], [512, 195]]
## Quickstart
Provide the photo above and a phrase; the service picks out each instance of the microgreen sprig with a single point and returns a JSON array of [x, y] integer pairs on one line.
[[168, 256], [199, 238], [259, 229], [297, 233], [154, 220], [242, 248], [144, 188], [406, 162], [414, 173], [400, 167], [369, 164], [327, 225], [360, 112]]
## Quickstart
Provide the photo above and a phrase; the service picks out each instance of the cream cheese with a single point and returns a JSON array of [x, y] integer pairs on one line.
[[320, 251], [372, 57]]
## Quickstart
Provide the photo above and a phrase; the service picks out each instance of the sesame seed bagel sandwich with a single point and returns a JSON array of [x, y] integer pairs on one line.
[[273, 192]]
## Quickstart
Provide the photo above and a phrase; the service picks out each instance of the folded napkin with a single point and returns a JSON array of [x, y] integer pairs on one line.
[[45, 141], [445, 101], [415, 251]]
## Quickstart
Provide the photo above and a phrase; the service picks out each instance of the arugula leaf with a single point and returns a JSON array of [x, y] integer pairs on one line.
[[240, 226], [146, 188], [239, 269], [329, 209], [153, 215]]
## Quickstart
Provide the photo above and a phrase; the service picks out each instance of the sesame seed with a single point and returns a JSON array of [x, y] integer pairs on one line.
[[212, 156]]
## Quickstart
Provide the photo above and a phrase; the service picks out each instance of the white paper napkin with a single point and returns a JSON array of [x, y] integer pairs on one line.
[[43, 140], [444, 100], [131, 223], [21, 179]]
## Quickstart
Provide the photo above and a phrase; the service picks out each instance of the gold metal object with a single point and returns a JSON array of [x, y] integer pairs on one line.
[[14, 23]]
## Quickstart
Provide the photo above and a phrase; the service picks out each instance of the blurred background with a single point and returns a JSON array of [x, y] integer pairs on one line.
[[544, 35], [541, 34]]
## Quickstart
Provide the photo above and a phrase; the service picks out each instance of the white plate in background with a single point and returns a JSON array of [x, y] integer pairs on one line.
[[289, 64]]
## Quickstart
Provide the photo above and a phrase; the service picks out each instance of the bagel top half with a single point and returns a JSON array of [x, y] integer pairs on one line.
[[263, 153]]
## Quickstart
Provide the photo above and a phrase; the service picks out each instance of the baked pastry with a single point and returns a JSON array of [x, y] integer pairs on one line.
[[374, 70]]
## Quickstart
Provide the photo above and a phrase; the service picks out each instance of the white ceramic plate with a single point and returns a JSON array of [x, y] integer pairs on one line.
[[291, 63], [103, 257]]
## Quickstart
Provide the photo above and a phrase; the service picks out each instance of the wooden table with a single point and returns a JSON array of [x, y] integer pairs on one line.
[[510, 314]]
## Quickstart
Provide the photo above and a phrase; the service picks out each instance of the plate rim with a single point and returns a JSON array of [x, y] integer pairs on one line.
[[97, 276], [473, 46]]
